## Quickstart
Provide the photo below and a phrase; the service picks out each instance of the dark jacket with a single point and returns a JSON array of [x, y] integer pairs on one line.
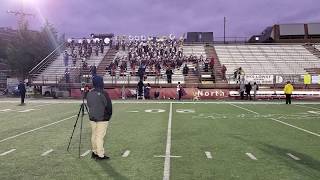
[[248, 88], [100, 106], [22, 88]]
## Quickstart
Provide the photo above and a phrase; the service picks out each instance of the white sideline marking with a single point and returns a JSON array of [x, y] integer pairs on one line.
[[296, 127], [166, 171], [132, 111], [307, 107], [47, 152], [27, 110], [314, 112], [37, 129], [208, 154], [251, 156], [161, 156], [5, 110], [126, 153], [293, 157], [85, 153], [5, 153]]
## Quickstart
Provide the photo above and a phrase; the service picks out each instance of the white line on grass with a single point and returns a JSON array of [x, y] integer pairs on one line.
[[8, 152], [301, 129], [27, 110], [166, 171], [5, 110], [293, 157], [12, 137], [308, 107], [208, 154], [47, 152], [273, 119], [251, 156], [314, 112], [243, 108], [161, 156], [85, 153], [126, 153]]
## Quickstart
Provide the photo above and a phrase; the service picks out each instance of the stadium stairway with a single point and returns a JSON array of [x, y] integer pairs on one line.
[[108, 58], [312, 49], [211, 52]]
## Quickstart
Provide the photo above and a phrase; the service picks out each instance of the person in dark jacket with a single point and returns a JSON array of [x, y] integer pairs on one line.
[[185, 70], [169, 75], [22, 91], [248, 90], [100, 112]]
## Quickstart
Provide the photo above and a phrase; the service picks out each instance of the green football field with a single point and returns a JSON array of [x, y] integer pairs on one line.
[[149, 140]]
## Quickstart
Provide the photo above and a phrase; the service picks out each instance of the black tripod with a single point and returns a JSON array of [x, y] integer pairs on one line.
[[80, 115]]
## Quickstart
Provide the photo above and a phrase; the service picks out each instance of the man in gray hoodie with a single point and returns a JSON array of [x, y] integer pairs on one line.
[[100, 112]]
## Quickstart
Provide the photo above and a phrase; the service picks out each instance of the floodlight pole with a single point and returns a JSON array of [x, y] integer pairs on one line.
[[21, 14], [224, 29]]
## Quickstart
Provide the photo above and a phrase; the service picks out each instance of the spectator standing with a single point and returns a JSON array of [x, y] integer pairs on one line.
[[179, 91], [255, 88], [185, 70], [169, 75], [67, 75], [248, 88], [223, 72], [288, 89], [66, 58], [22, 91], [147, 90], [241, 90], [140, 89]]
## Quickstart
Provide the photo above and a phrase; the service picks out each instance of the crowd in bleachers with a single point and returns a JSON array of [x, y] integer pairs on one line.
[[149, 57]]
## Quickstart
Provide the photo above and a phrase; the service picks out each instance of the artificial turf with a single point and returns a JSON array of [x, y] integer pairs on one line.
[[225, 130]]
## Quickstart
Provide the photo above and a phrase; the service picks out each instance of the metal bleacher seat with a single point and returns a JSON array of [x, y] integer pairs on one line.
[[266, 59]]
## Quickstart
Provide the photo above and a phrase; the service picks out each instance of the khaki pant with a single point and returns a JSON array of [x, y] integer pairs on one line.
[[99, 130]]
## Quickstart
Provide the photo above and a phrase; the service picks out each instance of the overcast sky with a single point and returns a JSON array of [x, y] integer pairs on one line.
[[79, 18]]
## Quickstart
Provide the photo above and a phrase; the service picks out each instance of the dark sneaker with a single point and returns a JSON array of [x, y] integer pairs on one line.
[[94, 156], [102, 158]]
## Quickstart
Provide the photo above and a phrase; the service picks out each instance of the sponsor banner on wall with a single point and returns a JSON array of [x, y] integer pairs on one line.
[[260, 79], [165, 93]]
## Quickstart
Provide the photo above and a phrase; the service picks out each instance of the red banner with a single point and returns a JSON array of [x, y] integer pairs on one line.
[[165, 93]]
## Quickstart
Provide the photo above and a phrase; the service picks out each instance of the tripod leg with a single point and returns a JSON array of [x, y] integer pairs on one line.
[[82, 114], [74, 127]]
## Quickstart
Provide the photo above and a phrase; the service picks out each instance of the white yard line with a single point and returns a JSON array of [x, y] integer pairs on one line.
[[26, 110], [293, 157], [301, 129], [296, 127], [251, 156], [314, 112], [8, 152], [208, 154], [165, 156], [166, 171], [5, 110], [47, 152], [307, 107], [12, 137], [85, 153], [126, 153], [243, 108]]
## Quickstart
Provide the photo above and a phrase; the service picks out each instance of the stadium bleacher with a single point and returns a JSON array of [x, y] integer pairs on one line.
[[54, 73], [267, 59]]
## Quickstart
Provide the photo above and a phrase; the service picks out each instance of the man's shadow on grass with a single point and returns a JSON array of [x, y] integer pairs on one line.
[[307, 165]]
